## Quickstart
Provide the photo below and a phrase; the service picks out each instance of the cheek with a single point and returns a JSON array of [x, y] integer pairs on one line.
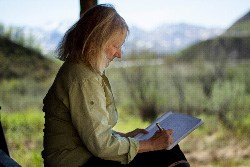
[[110, 52]]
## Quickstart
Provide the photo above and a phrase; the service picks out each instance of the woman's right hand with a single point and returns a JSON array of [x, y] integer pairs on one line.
[[159, 141]]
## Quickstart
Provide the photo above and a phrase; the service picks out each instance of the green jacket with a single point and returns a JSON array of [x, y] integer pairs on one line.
[[79, 116]]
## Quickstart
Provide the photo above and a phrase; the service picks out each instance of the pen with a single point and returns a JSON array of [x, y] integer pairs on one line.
[[158, 125]]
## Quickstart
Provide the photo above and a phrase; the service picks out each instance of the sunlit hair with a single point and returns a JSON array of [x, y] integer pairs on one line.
[[84, 40]]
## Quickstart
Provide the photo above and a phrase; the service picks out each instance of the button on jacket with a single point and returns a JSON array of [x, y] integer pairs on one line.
[[79, 116]]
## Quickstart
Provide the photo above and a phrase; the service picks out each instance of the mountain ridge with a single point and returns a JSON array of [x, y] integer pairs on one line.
[[233, 44], [241, 27], [163, 39], [169, 38]]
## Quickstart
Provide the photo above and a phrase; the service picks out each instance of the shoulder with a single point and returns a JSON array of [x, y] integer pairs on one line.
[[77, 72]]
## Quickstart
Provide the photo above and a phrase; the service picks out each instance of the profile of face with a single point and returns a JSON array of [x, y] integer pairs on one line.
[[112, 49]]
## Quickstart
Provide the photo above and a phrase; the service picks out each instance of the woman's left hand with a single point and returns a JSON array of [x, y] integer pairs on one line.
[[135, 132]]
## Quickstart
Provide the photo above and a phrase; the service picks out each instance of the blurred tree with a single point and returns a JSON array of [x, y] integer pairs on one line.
[[19, 36], [9, 33], [178, 83], [143, 85], [1, 29]]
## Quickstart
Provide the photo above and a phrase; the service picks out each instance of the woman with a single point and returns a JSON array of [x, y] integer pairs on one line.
[[79, 107]]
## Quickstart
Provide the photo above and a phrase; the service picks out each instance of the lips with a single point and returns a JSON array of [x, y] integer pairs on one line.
[[109, 60]]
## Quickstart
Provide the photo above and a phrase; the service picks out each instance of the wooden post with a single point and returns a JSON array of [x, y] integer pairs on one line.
[[86, 4]]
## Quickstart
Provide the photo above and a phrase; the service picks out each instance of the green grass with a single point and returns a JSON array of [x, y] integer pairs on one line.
[[128, 122], [23, 132], [231, 163]]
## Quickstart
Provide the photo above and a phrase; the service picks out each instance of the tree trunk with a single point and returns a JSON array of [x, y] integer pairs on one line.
[[86, 4]]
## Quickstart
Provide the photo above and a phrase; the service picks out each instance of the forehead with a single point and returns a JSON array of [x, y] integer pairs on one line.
[[118, 36]]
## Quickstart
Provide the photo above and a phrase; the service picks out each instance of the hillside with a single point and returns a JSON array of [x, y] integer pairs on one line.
[[233, 44], [17, 62], [240, 28], [219, 48]]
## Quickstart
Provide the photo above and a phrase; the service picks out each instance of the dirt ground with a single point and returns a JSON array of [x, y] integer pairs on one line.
[[214, 151]]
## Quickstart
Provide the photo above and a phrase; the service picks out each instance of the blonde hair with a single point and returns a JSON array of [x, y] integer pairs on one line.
[[84, 40]]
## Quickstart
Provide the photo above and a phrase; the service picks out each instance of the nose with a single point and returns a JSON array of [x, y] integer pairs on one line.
[[118, 54]]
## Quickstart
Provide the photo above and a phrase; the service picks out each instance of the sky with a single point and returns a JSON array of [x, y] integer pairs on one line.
[[146, 14]]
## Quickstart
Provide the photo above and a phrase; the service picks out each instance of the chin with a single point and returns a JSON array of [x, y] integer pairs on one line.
[[107, 64]]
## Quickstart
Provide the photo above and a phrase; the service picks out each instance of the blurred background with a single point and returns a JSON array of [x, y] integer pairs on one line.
[[185, 56]]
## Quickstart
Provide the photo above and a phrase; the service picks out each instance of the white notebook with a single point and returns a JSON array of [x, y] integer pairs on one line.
[[182, 125]]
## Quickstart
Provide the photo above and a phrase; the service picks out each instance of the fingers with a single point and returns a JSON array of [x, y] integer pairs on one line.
[[144, 131], [170, 139], [162, 139], [169, 136], [170, 131], [137, 131]]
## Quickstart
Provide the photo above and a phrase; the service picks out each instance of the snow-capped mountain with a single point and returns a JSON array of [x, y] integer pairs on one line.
[[48, 35], [163, 39], [169, 38]]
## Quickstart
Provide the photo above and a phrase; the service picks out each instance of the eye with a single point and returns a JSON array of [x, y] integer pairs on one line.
[[117, 47]]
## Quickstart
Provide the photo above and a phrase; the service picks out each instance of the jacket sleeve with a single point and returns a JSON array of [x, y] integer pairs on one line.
[[93, 123]]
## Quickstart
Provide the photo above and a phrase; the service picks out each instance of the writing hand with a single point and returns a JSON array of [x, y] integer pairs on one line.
[[162, 139]]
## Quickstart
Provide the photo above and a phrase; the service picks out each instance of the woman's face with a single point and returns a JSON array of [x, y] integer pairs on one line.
[[112, 48]]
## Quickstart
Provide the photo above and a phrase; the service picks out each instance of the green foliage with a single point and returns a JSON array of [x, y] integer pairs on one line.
[[243, 125], [145, 91], [17, 95], [247, 80], [180, 86]]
